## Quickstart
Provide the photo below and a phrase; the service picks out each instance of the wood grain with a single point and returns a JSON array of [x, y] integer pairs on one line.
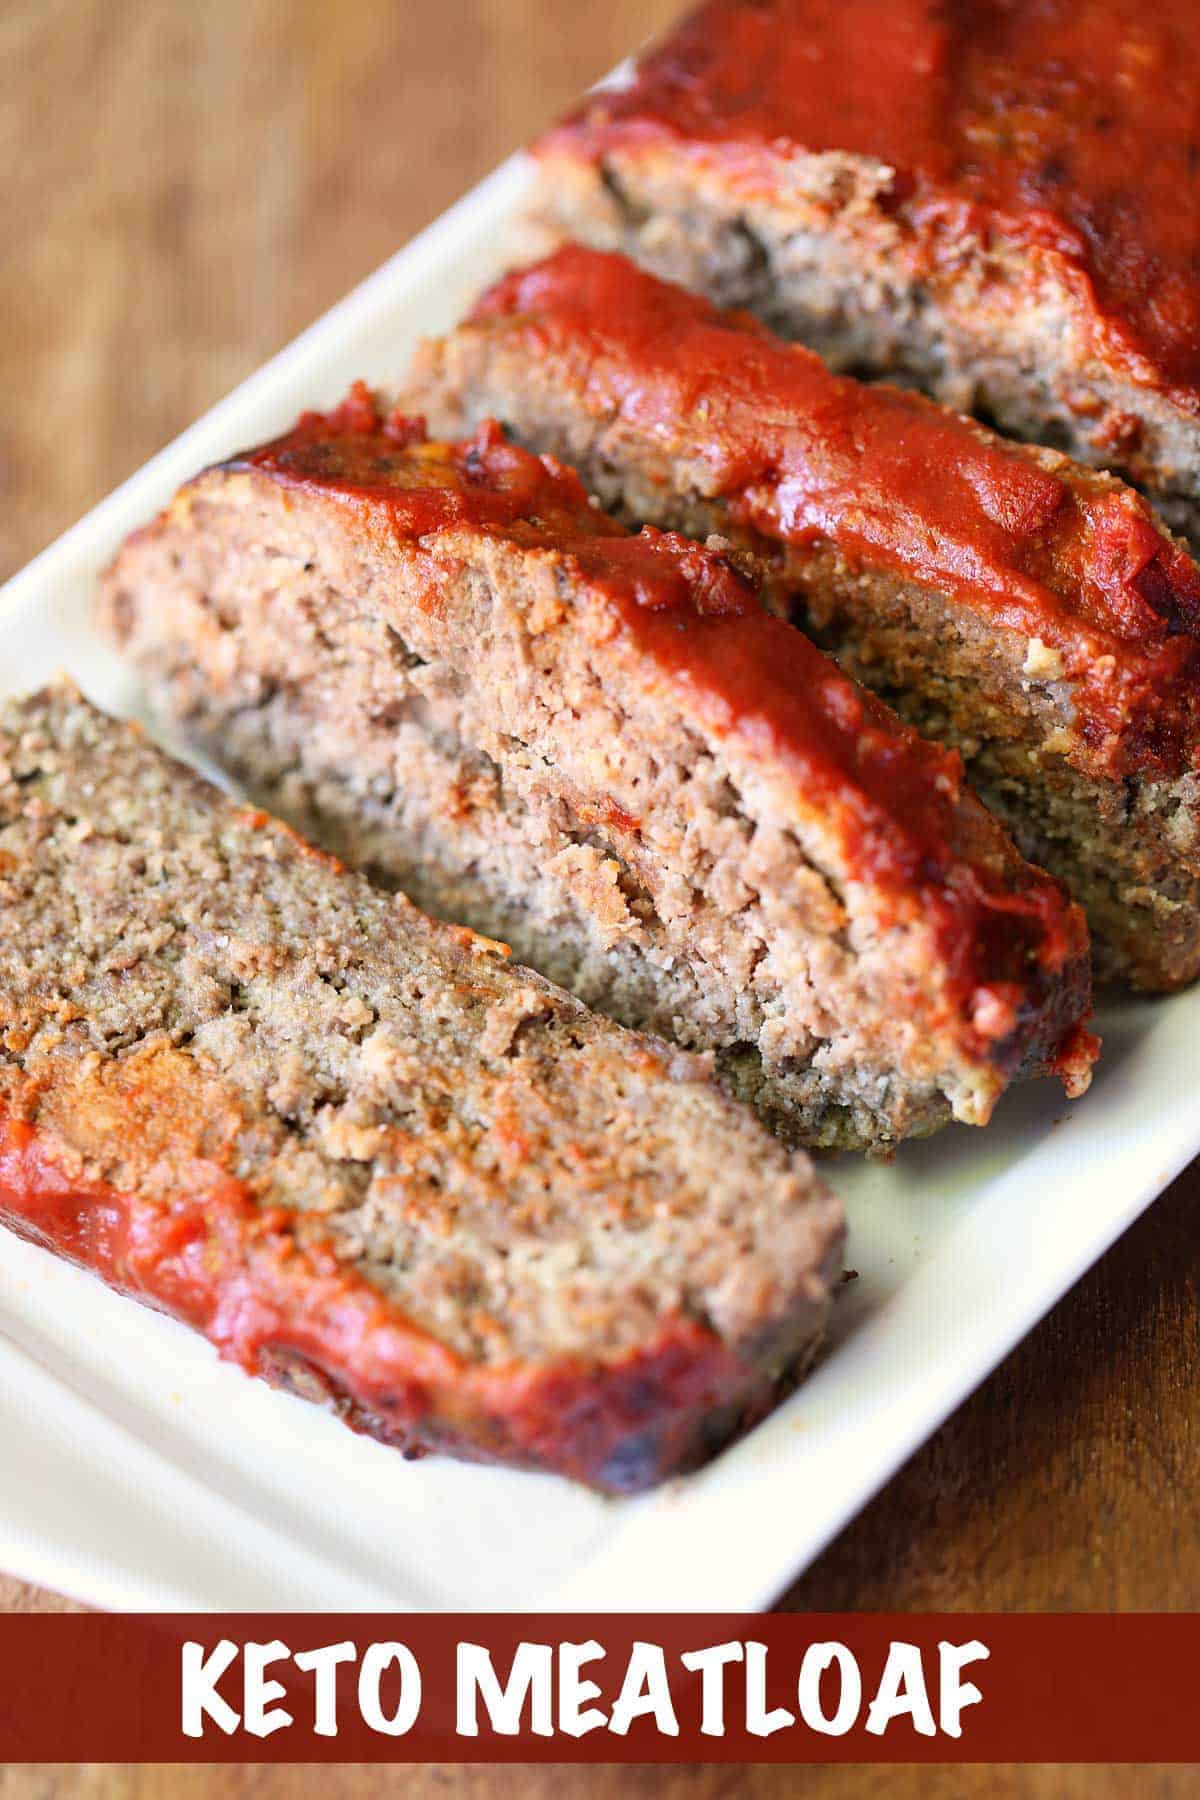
[[188, 186], [464, 1781]]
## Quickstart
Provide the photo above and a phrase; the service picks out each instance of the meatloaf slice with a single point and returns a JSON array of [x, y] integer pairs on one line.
[[995, 201], [362, 1151], [442, 660], [1031, 613]]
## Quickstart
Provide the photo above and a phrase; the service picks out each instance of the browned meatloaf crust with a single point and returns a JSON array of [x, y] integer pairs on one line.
[[1034, 614], [364, 1152], [448, 664], [994, 198]]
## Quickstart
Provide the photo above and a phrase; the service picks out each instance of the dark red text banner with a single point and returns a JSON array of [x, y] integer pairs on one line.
[[859, 1687]]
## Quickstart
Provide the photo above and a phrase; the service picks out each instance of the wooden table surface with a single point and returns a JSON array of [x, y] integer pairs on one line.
[[186, 187]]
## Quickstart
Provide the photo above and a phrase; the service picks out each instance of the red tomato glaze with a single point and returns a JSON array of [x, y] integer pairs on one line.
[[1067, 125], [275, 1303], [808, 458], [894, 800]]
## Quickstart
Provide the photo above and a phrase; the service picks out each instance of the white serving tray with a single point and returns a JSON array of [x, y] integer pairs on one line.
[[138, 1472]]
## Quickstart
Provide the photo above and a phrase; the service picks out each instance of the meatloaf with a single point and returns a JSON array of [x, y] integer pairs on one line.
[[1028, 611], [451, 667], [363, 1152], [992, 198]]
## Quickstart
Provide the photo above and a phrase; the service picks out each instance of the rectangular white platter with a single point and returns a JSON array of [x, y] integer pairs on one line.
[[138, 1472]]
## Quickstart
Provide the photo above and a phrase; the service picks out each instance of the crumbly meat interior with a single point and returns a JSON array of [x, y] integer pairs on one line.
[[824, 262], [520, 1178], [484, 754], [1129, 851]]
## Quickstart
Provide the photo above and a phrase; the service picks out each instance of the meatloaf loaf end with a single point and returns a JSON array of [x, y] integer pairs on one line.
[[362, 1151], [1031, 613], [995, 201], [448, 665]]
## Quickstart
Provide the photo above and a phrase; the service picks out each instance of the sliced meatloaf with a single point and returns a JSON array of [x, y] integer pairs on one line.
[[363, 1152], [1032, 613], [992, 198], [448, 664]]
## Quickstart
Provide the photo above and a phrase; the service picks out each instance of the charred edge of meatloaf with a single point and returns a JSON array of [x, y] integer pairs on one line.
[[323, 1105]]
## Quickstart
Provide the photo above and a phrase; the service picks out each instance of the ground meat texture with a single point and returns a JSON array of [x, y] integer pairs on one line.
[[1029, 612], [453, 669], [364, 1152], [991, 201]]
